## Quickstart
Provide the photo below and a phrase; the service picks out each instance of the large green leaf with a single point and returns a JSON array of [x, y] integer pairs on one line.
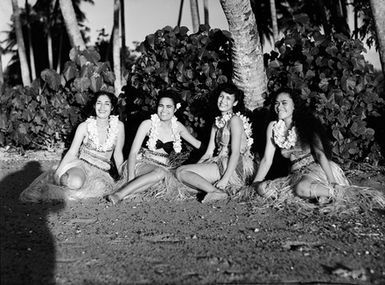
[[52, 78]]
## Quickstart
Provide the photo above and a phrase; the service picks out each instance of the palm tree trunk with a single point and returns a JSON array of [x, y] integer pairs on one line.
[[247, 56], [71, 23], [58, 66], [30, 45], [273, 11], [49, 46], [123, 24], [180, 12], [1, 71], [195, 15], [378, 10], [116, 48], [206, 11], [25, 75]]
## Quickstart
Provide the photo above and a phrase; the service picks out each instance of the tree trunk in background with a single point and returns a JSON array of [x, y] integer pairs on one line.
[[1, 71], [25, 75], [206, 11], [124, 53], [273, 11], [378, 10], [71, 23], [123, 24], [30, 46], [180, 13], [49, 47], [247, 56], [58, 66], [116, 48], [195, 15]]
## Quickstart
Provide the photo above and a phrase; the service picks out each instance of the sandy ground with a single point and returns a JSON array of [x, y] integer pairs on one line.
[[158, 242]]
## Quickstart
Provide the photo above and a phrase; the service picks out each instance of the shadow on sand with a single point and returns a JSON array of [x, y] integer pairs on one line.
[[26, 243]]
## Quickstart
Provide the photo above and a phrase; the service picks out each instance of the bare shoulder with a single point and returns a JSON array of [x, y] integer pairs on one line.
[[180, 125], [82, 127], [236, 121], [145, 125], [120, 124], [271, 124]]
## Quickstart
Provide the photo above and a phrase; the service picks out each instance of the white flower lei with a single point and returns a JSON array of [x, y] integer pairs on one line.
[[221, 121], [279, 135], [153, 136], [112, 133]]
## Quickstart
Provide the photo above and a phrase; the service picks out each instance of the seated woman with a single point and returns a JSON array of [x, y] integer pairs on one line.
[[84, 170], [301, 138], [149, 167], [232, 166]]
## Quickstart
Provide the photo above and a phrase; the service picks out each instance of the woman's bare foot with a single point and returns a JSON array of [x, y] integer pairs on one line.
[[113, 199], [214, 196]]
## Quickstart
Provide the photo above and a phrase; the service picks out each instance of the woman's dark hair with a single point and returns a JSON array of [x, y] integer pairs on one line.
[[110, 95], [307, 125], [168, 93], [231, 88]]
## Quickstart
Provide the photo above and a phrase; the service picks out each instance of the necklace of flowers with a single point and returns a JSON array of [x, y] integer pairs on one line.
[[221, 121], [282, 139], [112, 132], [153, 136]]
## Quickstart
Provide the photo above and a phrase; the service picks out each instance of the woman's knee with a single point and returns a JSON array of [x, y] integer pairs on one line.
[[302, 189], [180, 172], [73, 178], [261, 189]]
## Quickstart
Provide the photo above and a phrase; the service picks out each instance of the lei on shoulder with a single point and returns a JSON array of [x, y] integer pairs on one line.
[[221, 121], [154, 135], [112, 133], [282, 139]]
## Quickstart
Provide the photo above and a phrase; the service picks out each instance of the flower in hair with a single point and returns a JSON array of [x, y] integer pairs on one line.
[[177, 106]]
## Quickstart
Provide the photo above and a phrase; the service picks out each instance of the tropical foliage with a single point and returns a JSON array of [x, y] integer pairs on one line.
[[193, 64], [45, 114], [335, 80]]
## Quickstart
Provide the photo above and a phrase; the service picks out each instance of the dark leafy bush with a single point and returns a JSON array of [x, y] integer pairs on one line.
[[191, 64], [336, 81], [45, 114]]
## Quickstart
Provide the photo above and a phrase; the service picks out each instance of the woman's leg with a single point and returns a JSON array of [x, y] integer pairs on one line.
[[202, 176], [311, 188], [139, 184], [73, 178]]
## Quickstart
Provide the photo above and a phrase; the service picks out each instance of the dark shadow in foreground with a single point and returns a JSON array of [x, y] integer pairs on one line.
[[26, 243]]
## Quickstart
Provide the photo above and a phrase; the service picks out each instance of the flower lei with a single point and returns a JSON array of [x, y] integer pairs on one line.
[[112, 132], [153, 136], [221, 121], [282, 140]]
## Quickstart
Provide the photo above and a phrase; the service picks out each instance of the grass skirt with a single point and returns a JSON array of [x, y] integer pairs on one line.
[[347, 198], [169, 188], [243, 174], [44, 188]]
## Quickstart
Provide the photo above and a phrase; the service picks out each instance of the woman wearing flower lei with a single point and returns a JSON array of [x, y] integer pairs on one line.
[[147, 171], [84, 170], [232, 167], [302, 139]]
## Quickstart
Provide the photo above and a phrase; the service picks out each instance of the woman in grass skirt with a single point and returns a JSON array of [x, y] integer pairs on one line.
[[148, 171], [301, 138], [84, 170]]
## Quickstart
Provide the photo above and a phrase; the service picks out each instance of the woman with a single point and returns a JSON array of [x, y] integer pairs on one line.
[[150, 166], [300, 138], [232, 166], [84, 170]]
